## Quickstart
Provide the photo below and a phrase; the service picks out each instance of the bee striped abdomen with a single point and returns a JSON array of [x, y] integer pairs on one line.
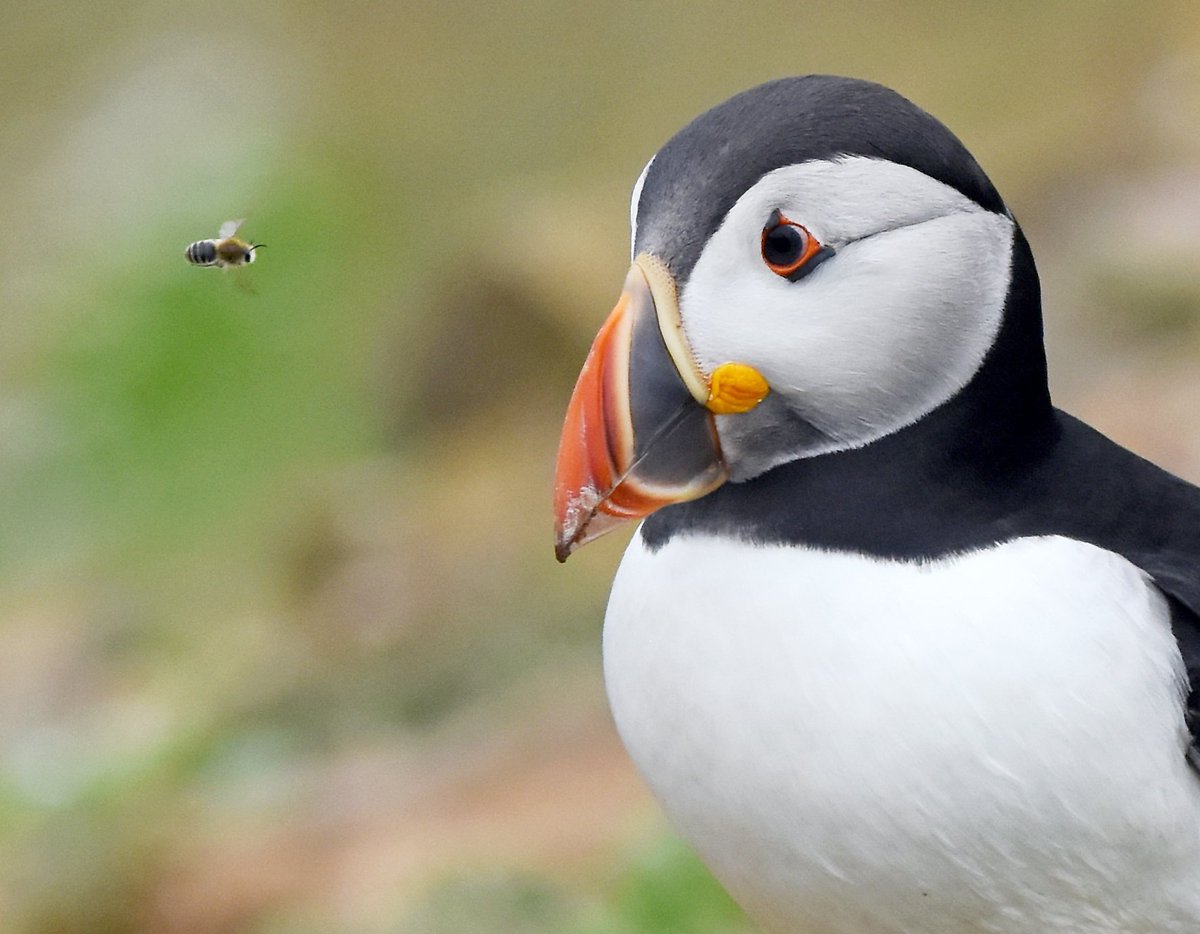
[[202, 253]]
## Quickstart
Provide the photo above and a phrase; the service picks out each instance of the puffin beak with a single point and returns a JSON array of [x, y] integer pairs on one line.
[[640, 431]]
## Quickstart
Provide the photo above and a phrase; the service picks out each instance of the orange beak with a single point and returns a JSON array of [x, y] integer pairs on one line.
[[640, 432]]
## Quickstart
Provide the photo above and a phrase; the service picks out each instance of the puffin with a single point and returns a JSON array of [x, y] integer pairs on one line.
[[899, 646]]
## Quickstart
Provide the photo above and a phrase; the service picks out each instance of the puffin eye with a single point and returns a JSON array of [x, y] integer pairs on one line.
[[787, 248]]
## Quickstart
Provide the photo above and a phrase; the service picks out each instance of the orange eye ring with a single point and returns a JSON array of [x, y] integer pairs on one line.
[[787, 247]]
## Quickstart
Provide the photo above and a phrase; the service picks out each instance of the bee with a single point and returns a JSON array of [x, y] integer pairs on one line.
[[225, 251]]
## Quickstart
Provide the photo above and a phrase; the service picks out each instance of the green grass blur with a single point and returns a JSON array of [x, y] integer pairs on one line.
[[283, 645]]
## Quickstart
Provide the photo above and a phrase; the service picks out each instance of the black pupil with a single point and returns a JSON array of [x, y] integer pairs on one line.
[[783, 245]]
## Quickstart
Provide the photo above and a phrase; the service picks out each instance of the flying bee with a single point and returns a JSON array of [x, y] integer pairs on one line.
[[225, 251]]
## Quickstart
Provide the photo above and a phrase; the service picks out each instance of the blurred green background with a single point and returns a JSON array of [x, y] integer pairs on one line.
[[283, 645]]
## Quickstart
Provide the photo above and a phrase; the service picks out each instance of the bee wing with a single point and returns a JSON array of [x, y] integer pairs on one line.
[[229, 228]]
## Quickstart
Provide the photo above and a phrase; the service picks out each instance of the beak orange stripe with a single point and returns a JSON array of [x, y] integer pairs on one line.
[[608, 472]]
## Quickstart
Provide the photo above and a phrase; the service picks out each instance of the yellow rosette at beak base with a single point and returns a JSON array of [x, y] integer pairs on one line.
[[735, 388]]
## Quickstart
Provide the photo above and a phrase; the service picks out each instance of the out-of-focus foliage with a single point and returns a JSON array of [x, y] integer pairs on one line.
[[663, 889], [283, 647]]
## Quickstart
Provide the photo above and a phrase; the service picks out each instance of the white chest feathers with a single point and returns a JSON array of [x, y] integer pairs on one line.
[[989, 743]]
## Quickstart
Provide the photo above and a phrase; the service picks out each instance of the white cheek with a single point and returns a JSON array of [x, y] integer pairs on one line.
[[890, 327]]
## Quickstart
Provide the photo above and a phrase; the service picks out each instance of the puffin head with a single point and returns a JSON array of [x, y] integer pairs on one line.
[[817, 264]]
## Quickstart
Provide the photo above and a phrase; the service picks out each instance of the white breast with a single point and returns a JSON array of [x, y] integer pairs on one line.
[[987, 743]]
